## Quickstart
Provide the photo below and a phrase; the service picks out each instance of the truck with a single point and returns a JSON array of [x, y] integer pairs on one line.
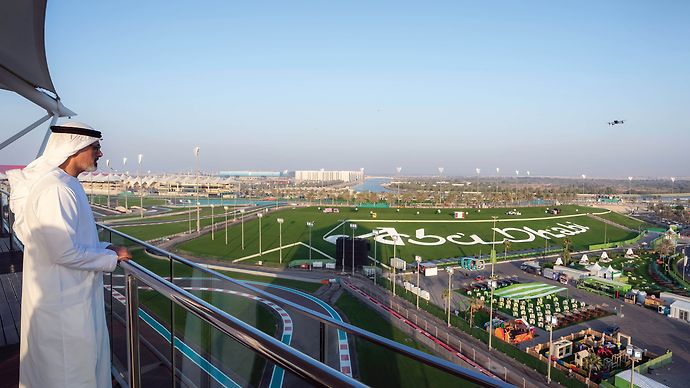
[[654, 303], [531, 267], [429, 269], [555, 275]]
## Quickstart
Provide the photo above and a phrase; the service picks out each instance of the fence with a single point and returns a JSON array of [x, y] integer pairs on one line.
[[657, 362], [617, 244]]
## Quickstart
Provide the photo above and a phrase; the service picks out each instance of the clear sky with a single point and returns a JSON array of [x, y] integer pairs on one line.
[[274, 85]]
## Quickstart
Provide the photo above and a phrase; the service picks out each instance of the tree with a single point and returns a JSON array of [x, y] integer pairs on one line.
[[567, 243], [592, 363], [666, 247], [475, 306], [445, 295]]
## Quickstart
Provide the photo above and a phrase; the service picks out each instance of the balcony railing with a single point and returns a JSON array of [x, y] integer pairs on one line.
[[174, 322]]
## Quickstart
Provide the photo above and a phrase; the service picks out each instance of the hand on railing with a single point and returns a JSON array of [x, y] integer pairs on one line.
[[123, 253]]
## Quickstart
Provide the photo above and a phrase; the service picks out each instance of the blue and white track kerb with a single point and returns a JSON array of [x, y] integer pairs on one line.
[[343, 346]]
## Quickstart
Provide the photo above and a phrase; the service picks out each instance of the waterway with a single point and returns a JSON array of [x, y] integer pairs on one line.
[[373, 185]]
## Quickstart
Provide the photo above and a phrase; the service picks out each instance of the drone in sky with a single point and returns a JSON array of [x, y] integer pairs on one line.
[[616, 122]]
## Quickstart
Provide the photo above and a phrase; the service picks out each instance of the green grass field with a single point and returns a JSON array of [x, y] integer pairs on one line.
[[624, 220], [294, 229], [381, 368]]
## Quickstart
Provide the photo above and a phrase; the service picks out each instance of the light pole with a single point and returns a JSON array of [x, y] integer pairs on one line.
[[397, 199], [124, 165], [141, 185], [418, 259], [492, 285], [189, 215], [213, 231], [323, 184], [376, 233], [198, 217], [260, 216], [395, 244], [310, 225], [673, 184], [237, 194], [353, 227], [635, 354], [107, 164], [226, 224], [440, 178], [280, 239], [551, 321], [583, 185], [196, 184], [517, 176], [492, 281], [478, 170], [450, 279], [498, 170], [242, 223]]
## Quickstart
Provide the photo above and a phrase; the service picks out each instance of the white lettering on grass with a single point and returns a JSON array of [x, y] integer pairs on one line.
[[516, 235]]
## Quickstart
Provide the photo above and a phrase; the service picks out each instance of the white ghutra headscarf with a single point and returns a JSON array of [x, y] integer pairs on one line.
[[65, 140]]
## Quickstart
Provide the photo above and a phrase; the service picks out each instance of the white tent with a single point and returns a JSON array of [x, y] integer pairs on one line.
[[594, 269], [629, 253], [559, 261], [610, 273], [605, 257], [584, 260]]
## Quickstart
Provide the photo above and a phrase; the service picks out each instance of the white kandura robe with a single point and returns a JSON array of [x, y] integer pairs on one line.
[[64, 337]]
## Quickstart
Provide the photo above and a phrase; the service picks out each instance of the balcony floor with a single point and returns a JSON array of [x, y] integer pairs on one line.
[[10, 297]]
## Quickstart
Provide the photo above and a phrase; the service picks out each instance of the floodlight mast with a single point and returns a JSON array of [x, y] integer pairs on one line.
[[124, 165], [141, 185]]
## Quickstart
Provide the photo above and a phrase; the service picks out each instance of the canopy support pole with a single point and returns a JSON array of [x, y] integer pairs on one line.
[[26, 130], [45, 138]]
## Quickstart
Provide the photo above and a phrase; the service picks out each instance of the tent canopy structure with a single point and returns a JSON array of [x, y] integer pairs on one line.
[[584, 259], [23, 64]]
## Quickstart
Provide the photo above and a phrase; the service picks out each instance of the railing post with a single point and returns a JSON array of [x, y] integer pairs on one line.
[[173, 364], [322, 342], [10, 227], [134, 375], [2, 215]]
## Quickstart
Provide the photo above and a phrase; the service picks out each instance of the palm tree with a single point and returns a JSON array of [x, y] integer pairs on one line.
[[567, 243], [506, 246], [593, 363], [475, 306], [445, 295]]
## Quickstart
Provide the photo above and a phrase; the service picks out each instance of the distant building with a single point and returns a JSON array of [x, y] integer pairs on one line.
[[252, 174], [329, 176]]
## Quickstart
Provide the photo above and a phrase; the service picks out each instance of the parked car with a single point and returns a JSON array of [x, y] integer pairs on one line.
[[611, 330], [479, 278]]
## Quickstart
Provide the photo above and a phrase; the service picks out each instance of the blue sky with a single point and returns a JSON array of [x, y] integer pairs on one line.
[[273, 85]]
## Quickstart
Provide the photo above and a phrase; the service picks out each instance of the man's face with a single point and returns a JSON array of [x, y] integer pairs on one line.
[[87, 158]]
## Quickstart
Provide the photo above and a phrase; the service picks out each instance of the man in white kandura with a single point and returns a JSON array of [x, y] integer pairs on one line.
[[64, 337]]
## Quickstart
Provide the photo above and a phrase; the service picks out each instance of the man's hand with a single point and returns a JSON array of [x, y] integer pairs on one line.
[[122, 252]]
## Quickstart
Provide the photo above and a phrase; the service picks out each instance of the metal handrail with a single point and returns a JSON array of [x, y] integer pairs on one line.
[[433, 361], [272, 349]]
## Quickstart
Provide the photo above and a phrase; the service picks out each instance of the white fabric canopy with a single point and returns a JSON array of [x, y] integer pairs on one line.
[[22, 46]]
